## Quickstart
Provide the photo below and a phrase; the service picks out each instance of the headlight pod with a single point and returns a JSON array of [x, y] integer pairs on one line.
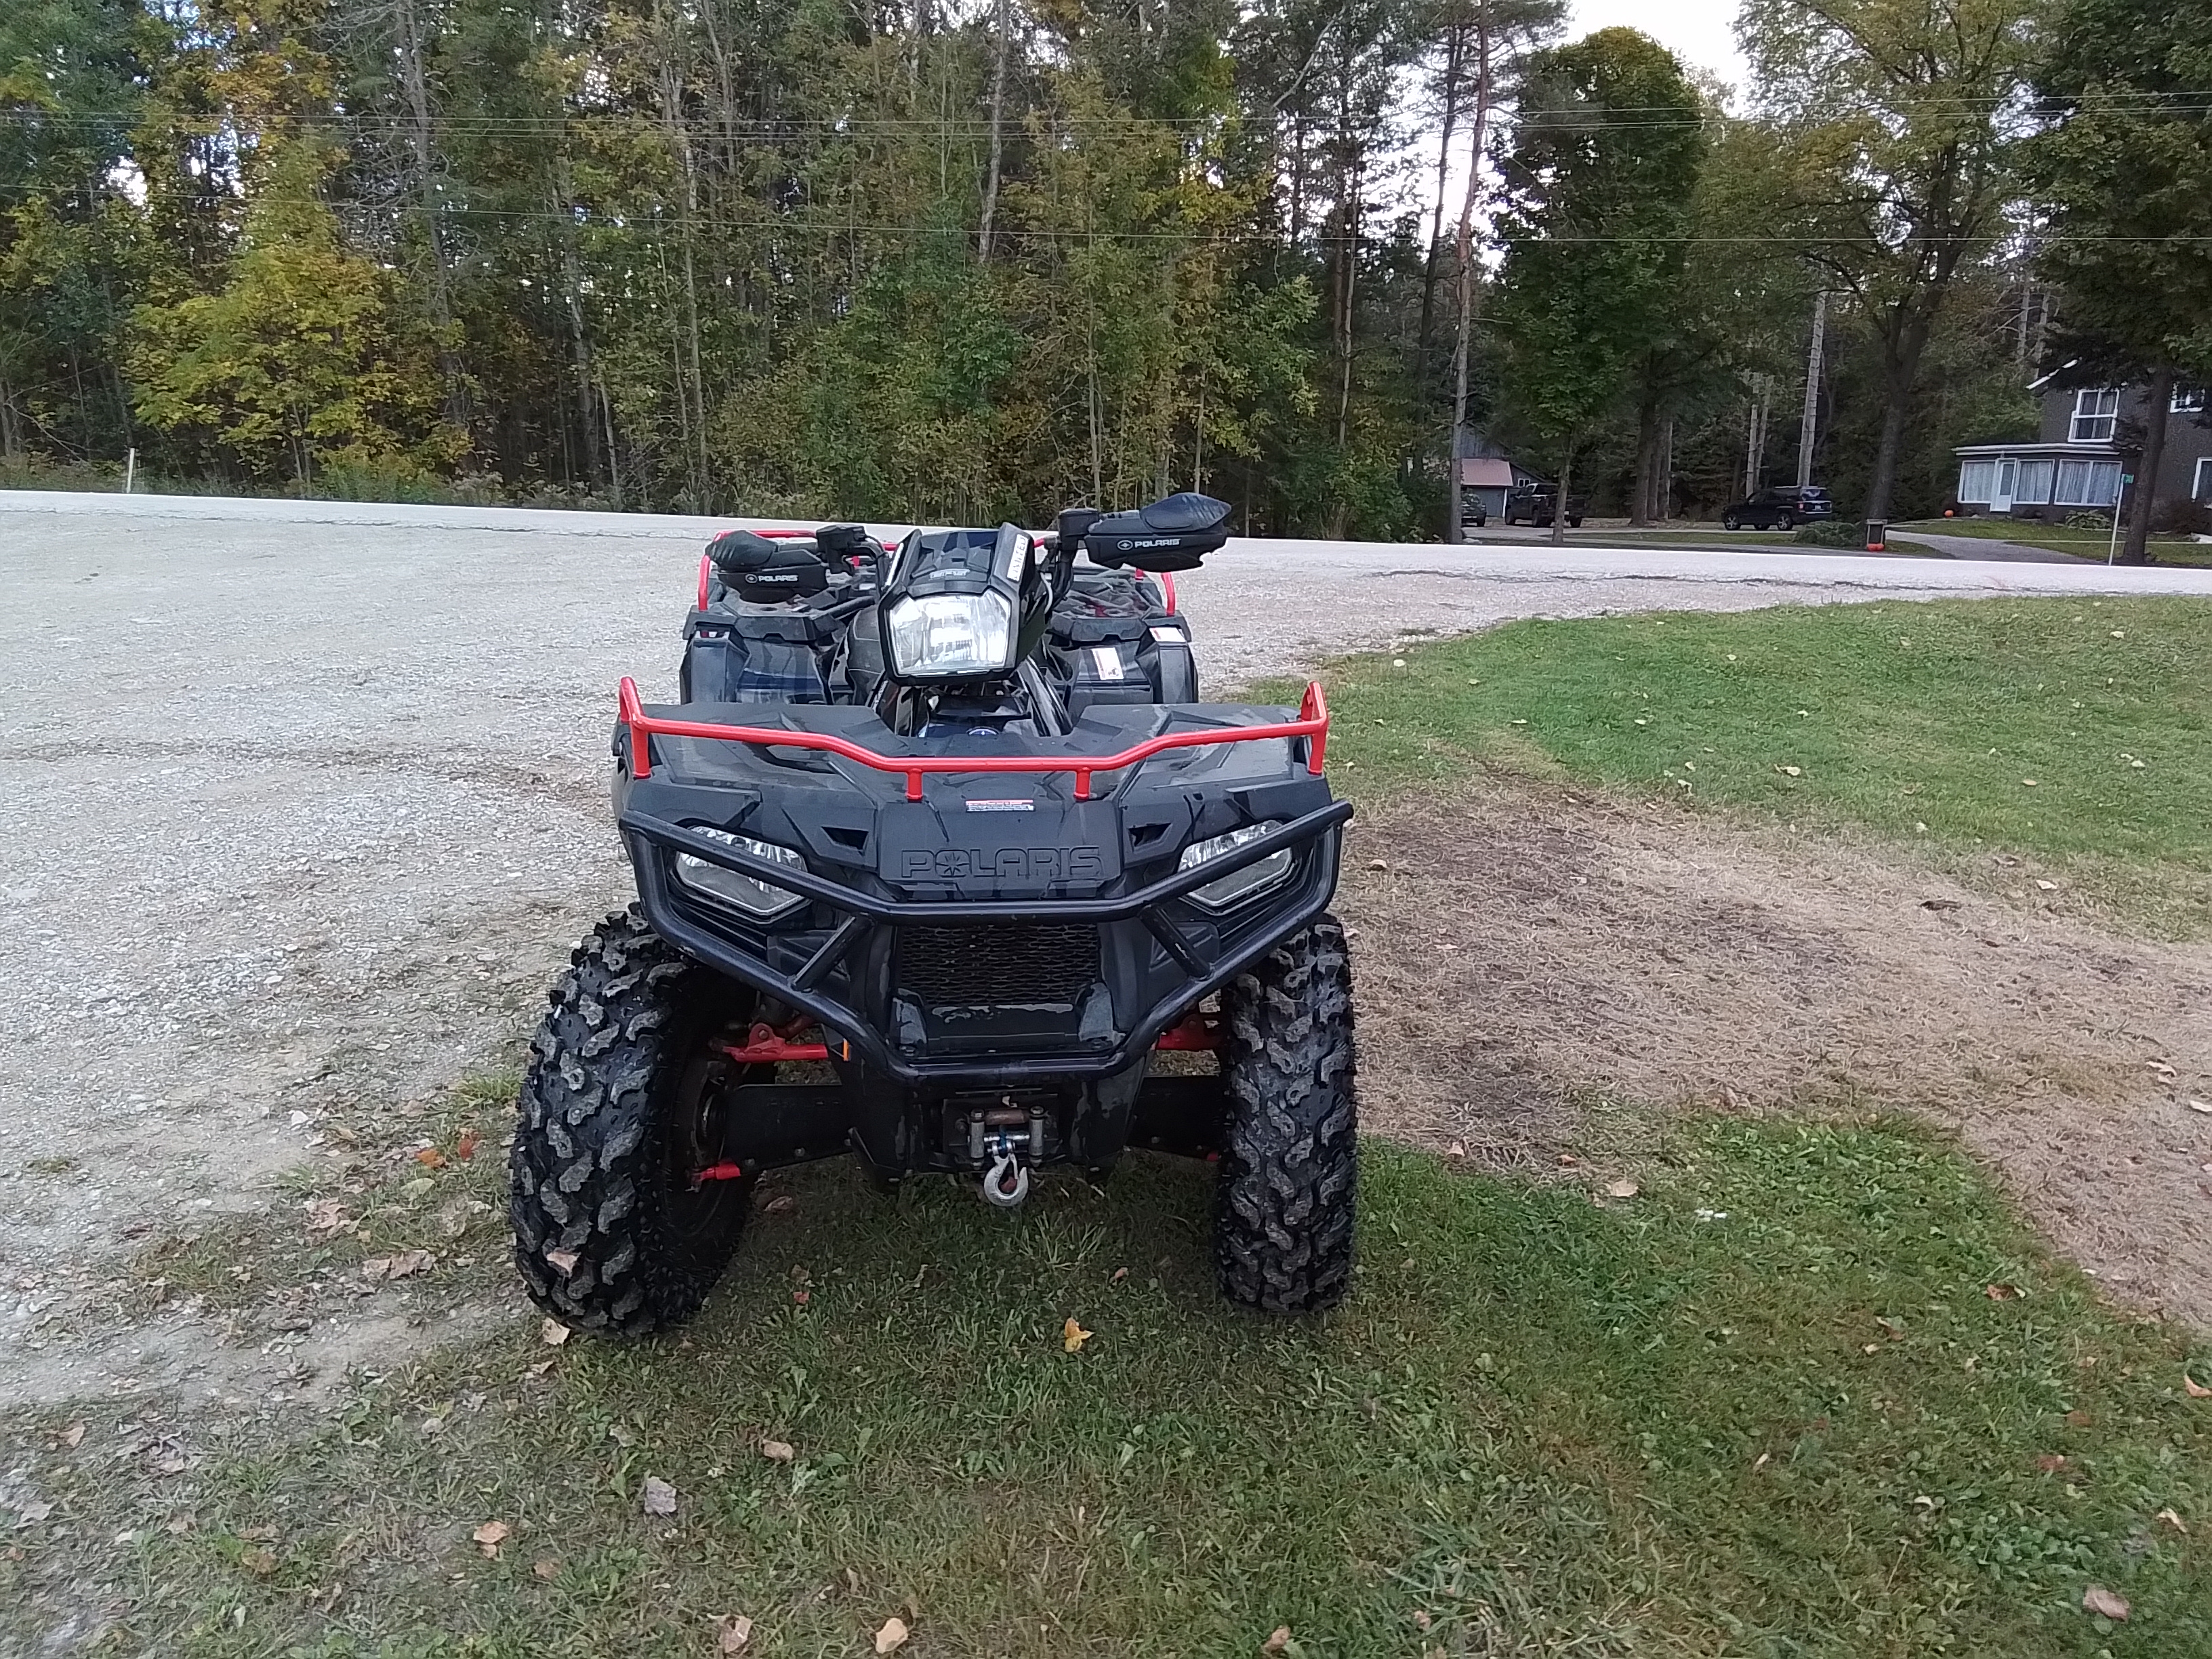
[[1260, 876], [749, 894], [951, 636]]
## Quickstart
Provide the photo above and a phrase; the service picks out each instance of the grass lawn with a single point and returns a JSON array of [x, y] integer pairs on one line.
[[1770, 1406], [2070, 730], [2083, 543], [1812, 1391]]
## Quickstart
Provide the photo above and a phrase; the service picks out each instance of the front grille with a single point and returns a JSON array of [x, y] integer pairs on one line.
[[995, 966]]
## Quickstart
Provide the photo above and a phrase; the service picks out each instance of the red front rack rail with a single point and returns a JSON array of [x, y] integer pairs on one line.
[[1312, 724]]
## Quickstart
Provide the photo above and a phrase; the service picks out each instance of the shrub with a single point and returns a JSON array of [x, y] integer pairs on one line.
[[1832, 532], [2092, 520]]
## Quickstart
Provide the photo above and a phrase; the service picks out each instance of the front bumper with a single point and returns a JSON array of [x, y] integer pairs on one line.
[[852, 958]]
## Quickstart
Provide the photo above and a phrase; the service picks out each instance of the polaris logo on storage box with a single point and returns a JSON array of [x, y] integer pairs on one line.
[[1022, 803], [1007, 863]]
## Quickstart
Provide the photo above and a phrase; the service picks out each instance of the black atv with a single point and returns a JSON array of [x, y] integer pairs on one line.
[[939, 849]]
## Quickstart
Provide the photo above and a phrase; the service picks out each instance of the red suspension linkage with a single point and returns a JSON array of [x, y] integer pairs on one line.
[[706, 564], [721, 1172], [1195, 1032], [764, 1045], [1167, 587], [1312, 725]]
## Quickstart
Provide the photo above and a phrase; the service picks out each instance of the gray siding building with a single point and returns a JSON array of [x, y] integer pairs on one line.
[[2089, 438]]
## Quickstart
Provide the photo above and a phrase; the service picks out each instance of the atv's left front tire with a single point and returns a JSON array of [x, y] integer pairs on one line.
[[613, 1230]]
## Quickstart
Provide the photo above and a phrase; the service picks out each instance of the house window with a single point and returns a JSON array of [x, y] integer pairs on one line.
[[2033, 489], [2186, 403], [2202, 490], [1974, 478], [2095, 411], [2087, 483]]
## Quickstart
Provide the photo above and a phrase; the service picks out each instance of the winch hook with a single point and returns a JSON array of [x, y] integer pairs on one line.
[[1006, 1183]]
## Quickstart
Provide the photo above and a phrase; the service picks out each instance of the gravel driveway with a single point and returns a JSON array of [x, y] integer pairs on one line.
[[305, 800]]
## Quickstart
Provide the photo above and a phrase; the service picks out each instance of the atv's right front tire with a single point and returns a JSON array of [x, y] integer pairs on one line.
[[1283, 1206], [614, 1230]]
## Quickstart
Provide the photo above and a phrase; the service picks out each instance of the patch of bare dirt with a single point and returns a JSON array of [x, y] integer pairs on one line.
[[1521, 943]]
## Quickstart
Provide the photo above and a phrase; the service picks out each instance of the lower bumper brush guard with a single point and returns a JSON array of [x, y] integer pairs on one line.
[[812, 986]]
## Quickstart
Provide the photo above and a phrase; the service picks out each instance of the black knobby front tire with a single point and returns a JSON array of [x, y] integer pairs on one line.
[[1283, 1206], [612, 1230]]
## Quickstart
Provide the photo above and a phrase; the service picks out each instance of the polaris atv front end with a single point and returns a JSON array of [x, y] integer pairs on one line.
[[947, 928]]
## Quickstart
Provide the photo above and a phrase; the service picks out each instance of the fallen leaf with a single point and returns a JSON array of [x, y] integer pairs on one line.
[[892, 1637], [1942, 904], [733, 1632], [2001, 1292], [465, 1147], [1623, 1188], [2098, 1600], [800, 1298], [1761, 1461], [660, 1496], [1789, 771], [2030, 783], [1120, 1273], [2051, 1462], [777, 1451], [490, 1536], [2197, 1390], [1895, 1328], [258, 1535], [1871, 1347], [539, 1369], [552, 1333], [1379, 864], [431, 1158], [2079, 1419], [781, 1204], [2047, 886], [1457, 1149], [1278, 1642], [2196, 1105], [328, 1215], [29, 1514], [258, 1562], [1072, 1336], [563, 1262], [2172, 1520], [73, 1435], [545, 1567], [2160, 1066], [383, 1269]]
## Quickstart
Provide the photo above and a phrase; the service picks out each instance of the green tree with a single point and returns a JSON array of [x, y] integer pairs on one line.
[[1893, 127], [295, 363], [1606, 152], [71, 246], [2122, 177]]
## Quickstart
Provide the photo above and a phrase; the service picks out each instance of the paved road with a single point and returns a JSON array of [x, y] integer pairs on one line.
[[304, 800]]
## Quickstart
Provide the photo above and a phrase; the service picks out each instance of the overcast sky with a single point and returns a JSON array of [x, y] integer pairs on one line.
[[1698, 32]]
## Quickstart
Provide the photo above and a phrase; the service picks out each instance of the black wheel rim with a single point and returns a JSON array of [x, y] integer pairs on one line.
[[698, 1210]]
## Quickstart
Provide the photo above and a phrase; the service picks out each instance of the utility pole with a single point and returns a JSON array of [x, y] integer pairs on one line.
[[1755, 441], [1811, 389]]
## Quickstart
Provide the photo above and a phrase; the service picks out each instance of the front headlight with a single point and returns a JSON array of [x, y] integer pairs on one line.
[[950, 636], [1260, 876], [749, 894]]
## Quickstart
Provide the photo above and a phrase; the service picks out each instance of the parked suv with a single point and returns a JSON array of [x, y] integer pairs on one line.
[[1534, 504], [1780, 509]]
